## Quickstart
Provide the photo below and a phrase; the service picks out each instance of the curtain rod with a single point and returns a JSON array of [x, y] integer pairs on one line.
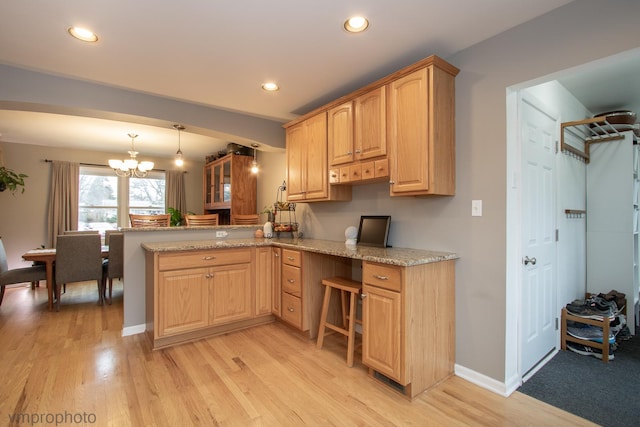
[[106, 166]]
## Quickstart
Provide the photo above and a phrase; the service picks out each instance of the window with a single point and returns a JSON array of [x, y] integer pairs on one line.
[[147, 195], [98, 199], [105, 200]]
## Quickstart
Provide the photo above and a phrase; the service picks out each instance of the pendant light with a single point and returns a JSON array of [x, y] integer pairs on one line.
[[179, 160], [254, 164], [131, 167]]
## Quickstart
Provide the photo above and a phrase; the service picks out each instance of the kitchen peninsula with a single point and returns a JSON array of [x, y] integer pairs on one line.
[[199, 288]]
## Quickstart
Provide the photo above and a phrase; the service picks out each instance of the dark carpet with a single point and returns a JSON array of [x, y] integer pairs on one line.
[[604, 393]]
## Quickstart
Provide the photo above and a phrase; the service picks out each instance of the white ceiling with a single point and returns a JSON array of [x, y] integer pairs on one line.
[[217, 54]]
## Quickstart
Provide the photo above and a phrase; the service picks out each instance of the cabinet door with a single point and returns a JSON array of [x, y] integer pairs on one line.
[[182, 301], [340, 134], [264, 266], [382, 347], [276, 274], [370, 125], [317, 168], [217, 184], [226, 182], [230, 294], [296, 161], [207, 187], [407, 133]]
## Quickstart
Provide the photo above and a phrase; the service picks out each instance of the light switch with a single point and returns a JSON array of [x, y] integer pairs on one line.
[[476, 208]]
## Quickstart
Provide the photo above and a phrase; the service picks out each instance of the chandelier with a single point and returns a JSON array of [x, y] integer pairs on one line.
[[131, 166]]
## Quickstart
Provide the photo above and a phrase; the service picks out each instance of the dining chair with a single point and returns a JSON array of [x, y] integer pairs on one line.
[[160, 220], [113, 267], [107, 235], [206, 219], [31, 274], [78, 259], [68, 232], [237, 219]]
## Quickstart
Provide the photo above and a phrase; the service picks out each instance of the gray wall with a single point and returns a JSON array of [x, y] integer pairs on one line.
[[576, 34]]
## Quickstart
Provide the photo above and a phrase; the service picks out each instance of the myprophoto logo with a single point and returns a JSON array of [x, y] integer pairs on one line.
[[49, 418]]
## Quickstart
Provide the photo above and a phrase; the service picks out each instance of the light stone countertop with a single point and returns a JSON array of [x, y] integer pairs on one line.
[[395, 256]]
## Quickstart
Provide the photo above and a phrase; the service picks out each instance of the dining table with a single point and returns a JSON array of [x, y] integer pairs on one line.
[[48, 257]]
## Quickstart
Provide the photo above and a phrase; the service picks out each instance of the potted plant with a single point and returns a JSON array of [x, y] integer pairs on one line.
[[176, 217], [11, 180]]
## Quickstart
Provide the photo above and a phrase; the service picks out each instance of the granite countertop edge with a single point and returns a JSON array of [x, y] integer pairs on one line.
[[404, 257]]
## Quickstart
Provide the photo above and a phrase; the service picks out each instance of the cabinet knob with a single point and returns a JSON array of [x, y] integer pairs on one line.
[[392, 182], [358, 151], [276, 254], [363, 296], [290, 309], [350, 152], [290, 280]]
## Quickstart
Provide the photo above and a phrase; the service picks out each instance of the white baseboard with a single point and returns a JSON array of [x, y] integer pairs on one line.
[[133, 330], [484, 381]]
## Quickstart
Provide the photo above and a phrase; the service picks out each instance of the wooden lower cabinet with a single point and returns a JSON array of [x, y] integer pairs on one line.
[[276, 275], [230, 294], [182, 301], [408, 324], [264, 276], [193, 294], [302, 290]]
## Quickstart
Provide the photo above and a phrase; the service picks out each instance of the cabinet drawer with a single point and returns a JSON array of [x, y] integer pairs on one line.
[[180, 260], [292, 280], [291, 257], [292, 310], [382, 275]]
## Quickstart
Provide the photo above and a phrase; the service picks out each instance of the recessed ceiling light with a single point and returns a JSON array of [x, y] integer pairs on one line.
[[356, 24], [270, 86], [83, 34]]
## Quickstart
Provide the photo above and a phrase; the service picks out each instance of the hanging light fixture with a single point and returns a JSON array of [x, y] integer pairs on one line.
[[131, 166], [179, 160], [254, 164]]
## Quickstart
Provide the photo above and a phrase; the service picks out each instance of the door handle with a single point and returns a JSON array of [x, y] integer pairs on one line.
[[528, 260]]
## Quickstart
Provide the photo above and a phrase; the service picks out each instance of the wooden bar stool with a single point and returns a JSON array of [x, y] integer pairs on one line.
[[346, 286]]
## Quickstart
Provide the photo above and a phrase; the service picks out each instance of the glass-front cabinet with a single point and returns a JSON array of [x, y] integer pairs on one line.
[[224, 177]]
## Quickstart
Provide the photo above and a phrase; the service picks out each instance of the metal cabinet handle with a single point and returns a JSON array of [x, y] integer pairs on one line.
[[363, 296], [358, 151], [208, 275], [290, 258], [291, 281], [377, 276], [350, 152], [392, 182], [208, 258], [276, 254], [290, 309]]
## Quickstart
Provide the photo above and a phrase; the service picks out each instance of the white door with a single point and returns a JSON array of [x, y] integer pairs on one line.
[[538, 135]]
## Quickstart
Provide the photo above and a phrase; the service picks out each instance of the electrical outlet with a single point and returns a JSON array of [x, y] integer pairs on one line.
[[221, 233]]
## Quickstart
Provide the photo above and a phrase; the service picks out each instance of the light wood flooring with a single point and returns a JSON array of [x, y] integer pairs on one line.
[[76, 363]]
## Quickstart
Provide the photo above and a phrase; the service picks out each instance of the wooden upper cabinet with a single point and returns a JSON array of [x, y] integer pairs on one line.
[[307, 162], [370, 125], [357, 129], [405, 120], [340, 134], [421, 133]]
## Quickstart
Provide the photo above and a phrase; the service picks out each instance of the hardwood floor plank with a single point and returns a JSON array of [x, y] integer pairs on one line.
[[76, 361]]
